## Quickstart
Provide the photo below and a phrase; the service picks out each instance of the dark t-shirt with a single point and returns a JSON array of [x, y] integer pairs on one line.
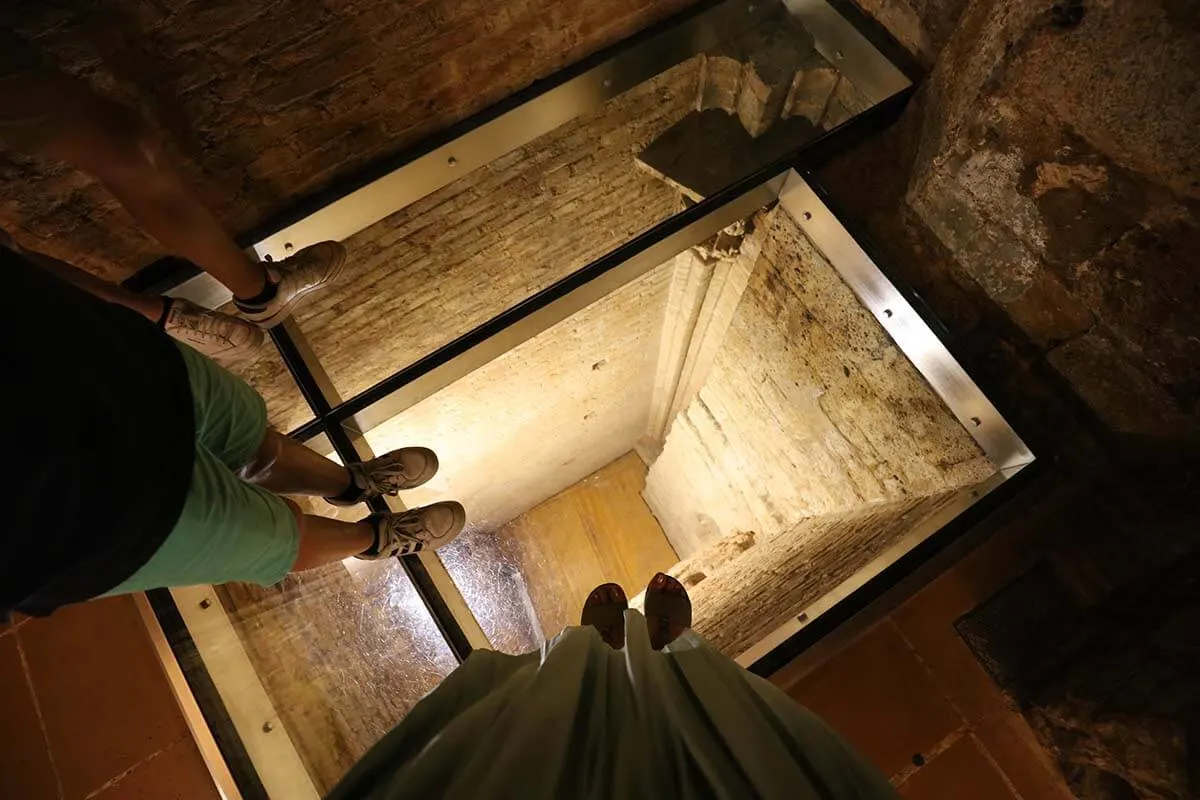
[[97, 419]]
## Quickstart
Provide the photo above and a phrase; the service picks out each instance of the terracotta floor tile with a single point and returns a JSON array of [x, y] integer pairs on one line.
[[959, 772], [927, 622], [178, 773], [25, 768], [1013, 745], [881, 698], [104, 698]]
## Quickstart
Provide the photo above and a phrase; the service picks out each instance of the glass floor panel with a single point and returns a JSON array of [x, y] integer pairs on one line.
[[638, 342], [504, 231]]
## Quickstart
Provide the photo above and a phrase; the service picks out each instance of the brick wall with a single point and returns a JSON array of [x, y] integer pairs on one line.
[[543, 415], [88, 712], [808, 409], [267, 102], [746, 586], [453, 260]]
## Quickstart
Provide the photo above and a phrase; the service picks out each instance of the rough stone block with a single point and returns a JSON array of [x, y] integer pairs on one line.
[[846, 102], [720, 83], [708, 150], [993, 254], [810, 92], [1047, 312], [1120, 394]]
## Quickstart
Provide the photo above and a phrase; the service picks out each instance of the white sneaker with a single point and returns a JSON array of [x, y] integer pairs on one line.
[[223, 338], [295, 278], [415, 530]]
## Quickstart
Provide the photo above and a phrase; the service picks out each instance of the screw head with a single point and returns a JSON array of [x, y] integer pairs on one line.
[[205, 604], [268, 726], [289, 246], [452, 161]]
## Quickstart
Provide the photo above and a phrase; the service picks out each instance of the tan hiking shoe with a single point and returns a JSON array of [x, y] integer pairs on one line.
[[295, 278], [415, 530], [390, 473], [224, 338]]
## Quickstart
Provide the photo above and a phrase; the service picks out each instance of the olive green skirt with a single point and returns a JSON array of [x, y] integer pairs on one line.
[[578, 719]]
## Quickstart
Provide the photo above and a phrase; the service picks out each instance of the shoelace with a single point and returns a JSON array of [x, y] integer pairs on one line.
[[408, 525], [204, 326], [366, 478], [405, 541]]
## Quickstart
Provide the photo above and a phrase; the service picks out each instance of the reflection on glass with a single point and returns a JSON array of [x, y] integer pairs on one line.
[[331, 658], [456, 258], [343, 653]]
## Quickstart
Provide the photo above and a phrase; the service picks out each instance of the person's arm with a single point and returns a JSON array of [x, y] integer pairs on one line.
[[149, 307]]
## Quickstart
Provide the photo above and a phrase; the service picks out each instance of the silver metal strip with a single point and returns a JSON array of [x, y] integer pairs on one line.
[[513, 129], [945, 375], [265, 737], [843, 46], [508, 338], [218, 770]]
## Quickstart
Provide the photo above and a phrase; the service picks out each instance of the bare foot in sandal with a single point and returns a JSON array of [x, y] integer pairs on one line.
[[668, 610], [604, 610]]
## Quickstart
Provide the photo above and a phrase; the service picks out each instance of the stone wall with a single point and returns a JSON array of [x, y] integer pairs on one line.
[[1049, 171], [267, 102], [543, 415], [460, 256], [1041, 193], [808, 408]]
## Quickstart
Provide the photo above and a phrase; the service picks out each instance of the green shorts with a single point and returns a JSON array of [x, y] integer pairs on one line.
[[229, 530]]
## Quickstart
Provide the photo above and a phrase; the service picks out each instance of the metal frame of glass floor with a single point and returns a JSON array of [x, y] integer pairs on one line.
[[235, 737]]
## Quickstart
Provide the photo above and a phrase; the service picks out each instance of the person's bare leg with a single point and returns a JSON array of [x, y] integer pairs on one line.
[[324, 541], [113, 143], [285, 466], [53, 114]]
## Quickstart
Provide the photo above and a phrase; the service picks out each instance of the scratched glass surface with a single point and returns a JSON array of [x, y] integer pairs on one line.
[[344, 652]]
